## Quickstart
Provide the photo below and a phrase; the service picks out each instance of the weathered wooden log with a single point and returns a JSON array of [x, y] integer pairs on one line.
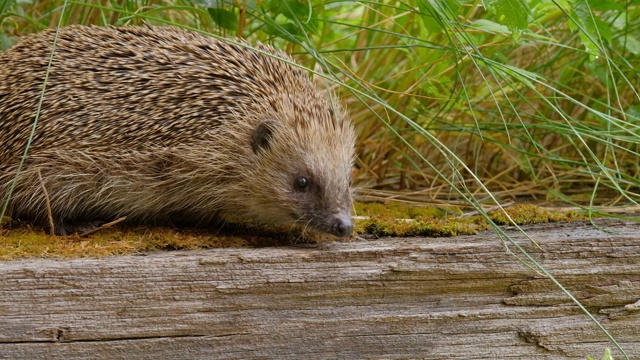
[[454, 298]]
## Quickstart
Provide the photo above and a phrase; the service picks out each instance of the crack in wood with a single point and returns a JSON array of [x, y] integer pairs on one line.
[[132, 338]]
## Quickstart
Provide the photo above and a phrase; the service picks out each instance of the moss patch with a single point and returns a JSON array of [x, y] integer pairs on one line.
[[383, 226], [398, 211], [402, 221], [525, 214], [399, 220], [26, 242], [23, 241]]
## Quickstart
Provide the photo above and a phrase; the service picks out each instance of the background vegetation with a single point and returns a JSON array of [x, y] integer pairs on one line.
[[453, 99]]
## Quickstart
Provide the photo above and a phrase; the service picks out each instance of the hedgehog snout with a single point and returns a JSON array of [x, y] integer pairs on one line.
[[342, 226]]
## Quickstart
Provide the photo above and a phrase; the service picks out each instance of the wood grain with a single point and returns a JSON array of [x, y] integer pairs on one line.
[[456, 298]]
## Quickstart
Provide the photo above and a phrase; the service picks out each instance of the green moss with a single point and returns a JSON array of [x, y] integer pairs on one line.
[[381, 226], [378, 220], [397, 211], [26, 242], [525, 214], [404, 221]]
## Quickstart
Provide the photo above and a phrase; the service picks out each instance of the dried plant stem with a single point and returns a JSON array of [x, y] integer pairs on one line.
[[47, 202], [103, 226]]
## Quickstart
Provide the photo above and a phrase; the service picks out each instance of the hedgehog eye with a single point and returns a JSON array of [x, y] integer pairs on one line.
[[302, 183]]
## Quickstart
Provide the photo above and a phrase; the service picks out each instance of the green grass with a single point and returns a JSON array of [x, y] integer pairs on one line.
[[464, 102], [538, 101]]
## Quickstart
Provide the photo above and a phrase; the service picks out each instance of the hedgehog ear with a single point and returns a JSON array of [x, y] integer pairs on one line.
[[262, 135]]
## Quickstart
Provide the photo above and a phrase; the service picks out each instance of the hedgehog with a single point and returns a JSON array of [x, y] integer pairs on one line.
[[162, 124]]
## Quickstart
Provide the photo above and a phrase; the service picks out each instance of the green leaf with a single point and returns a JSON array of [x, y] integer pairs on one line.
[[631, 43], [226, 19], [490, 27], [604, 5], [519, 74], [593, 30], [513, 13], [287, 31], [633, 112], [431, 23], [6, 42], [436, 13], [292, 9], [298, 14], [4, 5]]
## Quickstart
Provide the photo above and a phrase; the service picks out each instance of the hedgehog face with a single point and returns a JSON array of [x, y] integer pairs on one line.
[[308, 177], [321, 200]]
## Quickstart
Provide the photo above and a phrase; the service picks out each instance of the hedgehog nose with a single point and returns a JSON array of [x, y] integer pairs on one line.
[[342, 227]]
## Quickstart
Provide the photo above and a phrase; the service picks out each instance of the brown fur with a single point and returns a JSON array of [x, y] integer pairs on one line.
[[158, 122]]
